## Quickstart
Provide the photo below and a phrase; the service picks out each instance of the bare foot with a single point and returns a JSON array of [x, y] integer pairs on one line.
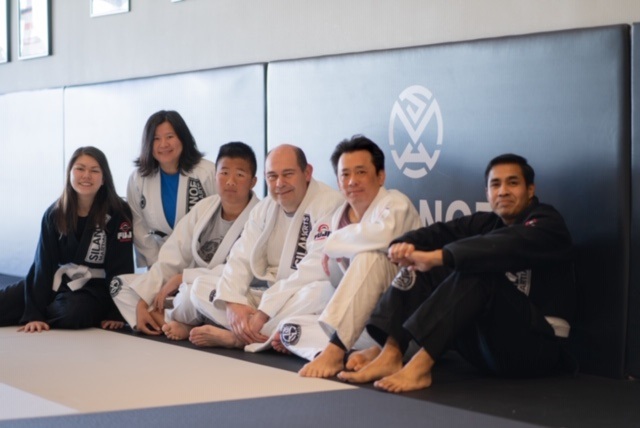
[[416, 374], [327, 364], [176, 330], [158, 317], [277, 344], [359, 359], [208, 335], [388, 361]]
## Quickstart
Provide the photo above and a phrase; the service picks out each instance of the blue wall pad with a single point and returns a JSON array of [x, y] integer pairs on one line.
[[633, 332], [442, 112]]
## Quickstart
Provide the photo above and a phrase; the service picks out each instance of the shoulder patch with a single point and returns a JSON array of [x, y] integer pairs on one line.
[[322, 232], [125, 234]]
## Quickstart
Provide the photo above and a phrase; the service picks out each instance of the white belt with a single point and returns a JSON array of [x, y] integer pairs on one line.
[[561, 327], [79, 275]]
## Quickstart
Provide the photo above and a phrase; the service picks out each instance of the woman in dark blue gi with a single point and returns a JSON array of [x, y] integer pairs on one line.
[[85, 239]]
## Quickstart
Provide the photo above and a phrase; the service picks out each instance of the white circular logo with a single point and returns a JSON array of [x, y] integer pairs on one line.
[[290, 334], [404, 280], [115, 286], [415, 125]]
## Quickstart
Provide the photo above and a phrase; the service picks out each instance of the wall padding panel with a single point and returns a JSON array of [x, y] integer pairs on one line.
[[31, 171], [633, 332], [441, 112], [218, 106]]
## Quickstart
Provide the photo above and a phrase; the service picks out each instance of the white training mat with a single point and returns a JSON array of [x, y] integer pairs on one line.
[[17, 404], [62, 371]]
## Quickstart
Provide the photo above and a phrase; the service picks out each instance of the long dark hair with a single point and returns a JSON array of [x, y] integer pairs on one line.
[[106, 200], [190, 156]]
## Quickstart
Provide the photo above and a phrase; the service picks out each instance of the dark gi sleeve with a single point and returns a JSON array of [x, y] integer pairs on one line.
[[540, 239], [437, 235], [119, 257], [38, 292]]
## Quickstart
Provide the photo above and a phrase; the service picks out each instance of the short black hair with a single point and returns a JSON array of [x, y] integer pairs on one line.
[[354, 144], [510, 158], [239, 150]]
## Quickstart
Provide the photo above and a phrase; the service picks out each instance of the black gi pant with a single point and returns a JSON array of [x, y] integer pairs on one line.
[[82, 308], [482, 315]]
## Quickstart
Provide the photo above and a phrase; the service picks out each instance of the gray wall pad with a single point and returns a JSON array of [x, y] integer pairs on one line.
[[633, 326]]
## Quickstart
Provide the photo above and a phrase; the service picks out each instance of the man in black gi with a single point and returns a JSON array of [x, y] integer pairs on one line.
[[498, 287]]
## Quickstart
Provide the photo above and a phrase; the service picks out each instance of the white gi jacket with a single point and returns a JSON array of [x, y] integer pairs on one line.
[[180, 252], [390, 215], [300, 262], [359, 286], [150, 227]]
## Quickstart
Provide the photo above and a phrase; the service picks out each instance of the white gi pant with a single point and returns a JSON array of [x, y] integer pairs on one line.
[[126, 298], [367, 278], [198, 307]]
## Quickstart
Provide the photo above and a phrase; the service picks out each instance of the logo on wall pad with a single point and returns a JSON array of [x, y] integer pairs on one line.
[[404, 280], [415, 131], [290, 334]]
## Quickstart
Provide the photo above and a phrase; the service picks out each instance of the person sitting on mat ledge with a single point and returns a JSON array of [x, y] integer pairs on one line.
[[498, 287], [194, 252], [362, 228], [85, 239], [273, 269]]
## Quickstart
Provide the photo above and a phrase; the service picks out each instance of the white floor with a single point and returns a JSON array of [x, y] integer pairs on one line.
[[63, 372]]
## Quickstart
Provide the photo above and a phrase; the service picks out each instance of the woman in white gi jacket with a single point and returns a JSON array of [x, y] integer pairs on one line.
[[85, 239], [171, 177]]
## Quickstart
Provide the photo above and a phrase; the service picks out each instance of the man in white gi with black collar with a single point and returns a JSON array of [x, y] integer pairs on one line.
[[199, 245], [275, 269], [361, 228]]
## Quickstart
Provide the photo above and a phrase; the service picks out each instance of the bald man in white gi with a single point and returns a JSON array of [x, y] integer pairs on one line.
[[275, 269]]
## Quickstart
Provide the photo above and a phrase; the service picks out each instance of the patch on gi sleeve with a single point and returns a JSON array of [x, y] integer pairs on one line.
[[125, 234], [404, 280], [290, 334], [322, 232], [212, 295], [115, 286], [143, 202]]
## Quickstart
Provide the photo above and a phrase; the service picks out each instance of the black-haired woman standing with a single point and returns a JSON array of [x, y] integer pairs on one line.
[[171, 177]]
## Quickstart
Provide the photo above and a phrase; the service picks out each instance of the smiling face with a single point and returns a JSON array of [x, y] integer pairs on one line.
[[507, 191], [167, 148], [234, 180], [358, 180], [286, 180], [86, 177]]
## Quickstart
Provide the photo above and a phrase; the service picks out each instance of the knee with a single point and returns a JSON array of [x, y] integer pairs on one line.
[[70, 313], [201, 291]]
